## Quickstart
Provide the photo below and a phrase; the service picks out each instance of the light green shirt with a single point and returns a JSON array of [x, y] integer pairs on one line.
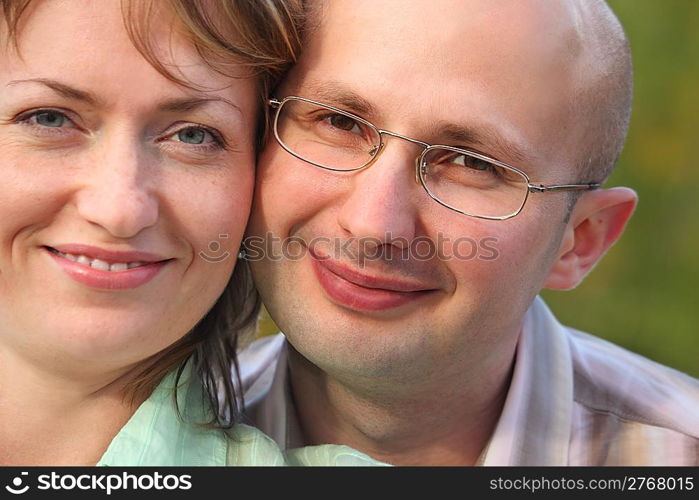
[[157, 436]]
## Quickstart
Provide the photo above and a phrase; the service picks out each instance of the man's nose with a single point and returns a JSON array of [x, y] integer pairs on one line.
[[381, 205], [117, 192]]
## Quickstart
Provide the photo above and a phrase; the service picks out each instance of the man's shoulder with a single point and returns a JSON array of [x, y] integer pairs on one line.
[[611, 380]]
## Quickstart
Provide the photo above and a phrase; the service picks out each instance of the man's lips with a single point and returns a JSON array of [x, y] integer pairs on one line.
[[371, 281], [360, 291]]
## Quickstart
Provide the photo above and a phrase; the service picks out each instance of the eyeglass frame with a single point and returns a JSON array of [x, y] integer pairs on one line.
[[278, 105]]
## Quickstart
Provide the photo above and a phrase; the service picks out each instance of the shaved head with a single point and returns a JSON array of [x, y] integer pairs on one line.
[[601, 99], [604, 99]]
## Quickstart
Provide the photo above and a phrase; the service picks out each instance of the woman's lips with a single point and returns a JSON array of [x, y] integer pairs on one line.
[[360, 291], [104, 269]]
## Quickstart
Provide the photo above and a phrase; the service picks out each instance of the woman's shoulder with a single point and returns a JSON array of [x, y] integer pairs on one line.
[[250, 446], [329, 455]]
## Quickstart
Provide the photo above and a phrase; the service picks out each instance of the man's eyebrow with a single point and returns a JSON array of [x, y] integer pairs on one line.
[[487, 139], [337, 94], [175, 105]]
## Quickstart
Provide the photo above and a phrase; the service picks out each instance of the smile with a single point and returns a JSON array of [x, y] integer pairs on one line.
[[103, 269], [97, 263], [354, 290]]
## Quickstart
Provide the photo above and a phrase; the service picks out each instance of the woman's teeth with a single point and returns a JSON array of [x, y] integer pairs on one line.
[[99, 264]]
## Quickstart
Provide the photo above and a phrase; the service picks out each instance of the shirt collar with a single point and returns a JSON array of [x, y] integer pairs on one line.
[[156, 435], [270, 401], [535, 424]]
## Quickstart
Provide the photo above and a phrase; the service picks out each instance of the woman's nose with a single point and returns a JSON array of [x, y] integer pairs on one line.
[[117, 191]]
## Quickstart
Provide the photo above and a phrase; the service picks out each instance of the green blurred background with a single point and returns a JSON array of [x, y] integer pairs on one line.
[[643, 295]]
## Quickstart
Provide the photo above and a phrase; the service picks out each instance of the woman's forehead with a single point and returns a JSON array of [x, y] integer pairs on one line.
[[79, 39]]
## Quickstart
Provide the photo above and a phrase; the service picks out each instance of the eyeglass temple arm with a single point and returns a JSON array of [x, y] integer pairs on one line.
[[274, 103], [533, 188]]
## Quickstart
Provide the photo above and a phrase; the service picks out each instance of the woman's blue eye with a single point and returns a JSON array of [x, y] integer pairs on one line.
[[192, 135], [199, 138], [50, 119]]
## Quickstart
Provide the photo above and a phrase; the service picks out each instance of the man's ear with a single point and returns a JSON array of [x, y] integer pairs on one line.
[[596, 223]]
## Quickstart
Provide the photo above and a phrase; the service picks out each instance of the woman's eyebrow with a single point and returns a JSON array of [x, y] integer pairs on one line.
[[178, 104], [191, 103], [60, 88]]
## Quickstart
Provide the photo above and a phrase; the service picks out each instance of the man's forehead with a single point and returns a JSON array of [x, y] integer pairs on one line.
[[464, 63], [456, 27], [444, 131], [526, 47], [519, 65]]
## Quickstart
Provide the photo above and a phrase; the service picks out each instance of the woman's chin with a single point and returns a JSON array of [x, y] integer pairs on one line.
[[84, 345]]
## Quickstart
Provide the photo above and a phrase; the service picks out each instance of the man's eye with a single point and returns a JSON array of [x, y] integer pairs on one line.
[[475, 163], [343, 122], [462, 160]]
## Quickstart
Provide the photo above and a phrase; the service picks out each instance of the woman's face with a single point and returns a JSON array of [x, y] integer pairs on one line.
[[123, 196]]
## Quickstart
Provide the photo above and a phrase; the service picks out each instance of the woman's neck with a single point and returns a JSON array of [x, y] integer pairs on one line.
[[54, 417]]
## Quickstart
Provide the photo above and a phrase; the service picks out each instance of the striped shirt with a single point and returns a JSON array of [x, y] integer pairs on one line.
[[574, 399]]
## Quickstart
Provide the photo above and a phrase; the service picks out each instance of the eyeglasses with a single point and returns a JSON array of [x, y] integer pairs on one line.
[[464, 181]]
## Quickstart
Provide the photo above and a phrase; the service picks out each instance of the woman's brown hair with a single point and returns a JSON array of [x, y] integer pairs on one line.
[[262, 36]]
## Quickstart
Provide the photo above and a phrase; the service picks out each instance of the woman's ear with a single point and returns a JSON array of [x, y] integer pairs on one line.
[[596, 223]]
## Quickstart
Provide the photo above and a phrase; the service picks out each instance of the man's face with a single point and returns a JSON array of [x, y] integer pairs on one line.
[[490, 77]]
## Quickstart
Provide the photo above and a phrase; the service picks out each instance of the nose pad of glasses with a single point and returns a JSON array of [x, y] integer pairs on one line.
[[374, 150], [420, 169]]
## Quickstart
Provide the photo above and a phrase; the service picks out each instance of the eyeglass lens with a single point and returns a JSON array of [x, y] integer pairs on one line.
[[336, 140]]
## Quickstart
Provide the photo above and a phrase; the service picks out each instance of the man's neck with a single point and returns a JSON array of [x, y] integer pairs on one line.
[[440, 424]]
